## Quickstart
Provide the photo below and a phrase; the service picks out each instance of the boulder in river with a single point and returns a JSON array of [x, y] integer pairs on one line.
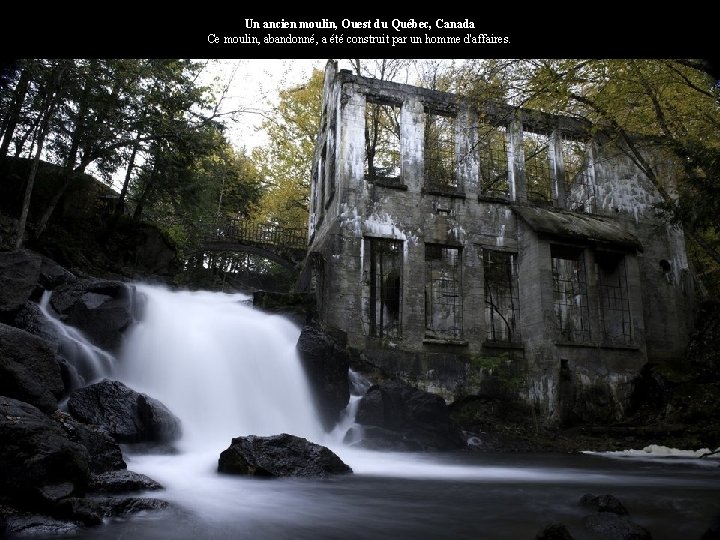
[[104, 453], [418, 419], [23, 274], [128, 416], [100, 309], [39, 463], [122, 482], [326, 362], [29, 370], [554, 531], [603, 503], [615, 527], [279, 455]]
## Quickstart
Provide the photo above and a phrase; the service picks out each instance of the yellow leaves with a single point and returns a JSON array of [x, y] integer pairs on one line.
[[286, 161]]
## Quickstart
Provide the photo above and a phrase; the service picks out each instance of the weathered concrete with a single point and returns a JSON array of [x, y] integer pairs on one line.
[[600, 287]]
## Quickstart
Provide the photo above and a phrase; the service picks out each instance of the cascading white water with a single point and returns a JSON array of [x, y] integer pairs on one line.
[[228, 370], [222, 367], [88, 362]]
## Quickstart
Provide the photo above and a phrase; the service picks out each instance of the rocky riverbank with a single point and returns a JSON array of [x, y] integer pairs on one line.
[[65, 469]]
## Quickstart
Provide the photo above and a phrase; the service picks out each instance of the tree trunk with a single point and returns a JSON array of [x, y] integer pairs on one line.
[[126, 183], [44, 128], [69, 168], [13, 116]]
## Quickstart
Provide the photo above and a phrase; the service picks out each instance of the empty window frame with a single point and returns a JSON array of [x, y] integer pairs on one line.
[[614, 299], [579, 182], [570, 294], [443, 291], [385, 282], [493, 159], [501, 295], [536, 147], [382, 142], [440, 166]]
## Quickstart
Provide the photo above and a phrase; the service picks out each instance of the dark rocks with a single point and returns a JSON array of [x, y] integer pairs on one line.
[[104, 453], [554, 531], [38, 461], [713, 532], [377, 438], [603, 503], [122, 482], [93, 510], [100, 309], [610, 521], [614, 527], [28, 369], [128, 416], [22, 525], [87, 511], [419, 418], [32, 320], [326, 362], [279, 455], [22, 274], [126, 506]]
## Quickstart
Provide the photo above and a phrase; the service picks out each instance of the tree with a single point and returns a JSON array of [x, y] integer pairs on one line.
[[50, 96], [193, 182], [286, 161]]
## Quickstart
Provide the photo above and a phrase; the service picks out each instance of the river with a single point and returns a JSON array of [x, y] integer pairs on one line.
[[228, 370]]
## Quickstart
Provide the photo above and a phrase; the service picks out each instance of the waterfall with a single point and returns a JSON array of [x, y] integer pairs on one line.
[[86, 362], [222, 367], [347, 430]]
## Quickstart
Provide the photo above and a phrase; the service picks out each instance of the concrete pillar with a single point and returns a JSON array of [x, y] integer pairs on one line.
[[516, 162], [557, 170], [412, 123], [465, 151]]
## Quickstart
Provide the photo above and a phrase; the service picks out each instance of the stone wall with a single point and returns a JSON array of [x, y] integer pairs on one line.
[[350, 212]]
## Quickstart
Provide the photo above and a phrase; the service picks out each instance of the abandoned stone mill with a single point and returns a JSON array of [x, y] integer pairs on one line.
[[466, 247]]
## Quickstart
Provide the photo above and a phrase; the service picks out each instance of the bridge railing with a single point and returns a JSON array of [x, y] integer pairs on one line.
[[260, 233]]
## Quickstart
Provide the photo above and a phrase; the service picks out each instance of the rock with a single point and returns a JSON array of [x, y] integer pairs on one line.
[[603, 503], [23, 273], [93, 510], [37, 458], [35, 526], [614, 527], [122, 482], [19, 276], [100, 309], [326, 363], [132, 505], [279, 455], [104, 453], [418, 417], [713, 532], [377, 438], [31, 319], [128, 416], [28, 369], [87, 511], [56, 492], [554, 531]]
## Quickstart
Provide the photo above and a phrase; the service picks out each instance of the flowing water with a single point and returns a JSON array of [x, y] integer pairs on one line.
[[86, 362], [228, 370]]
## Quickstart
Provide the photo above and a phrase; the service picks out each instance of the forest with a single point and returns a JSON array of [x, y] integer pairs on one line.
[[117, 352], [156, 135]]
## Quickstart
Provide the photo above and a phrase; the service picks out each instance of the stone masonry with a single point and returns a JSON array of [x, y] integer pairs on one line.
[[454, 241]]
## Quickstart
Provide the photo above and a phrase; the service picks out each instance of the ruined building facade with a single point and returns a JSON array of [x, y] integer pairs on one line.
[[458, 244]]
